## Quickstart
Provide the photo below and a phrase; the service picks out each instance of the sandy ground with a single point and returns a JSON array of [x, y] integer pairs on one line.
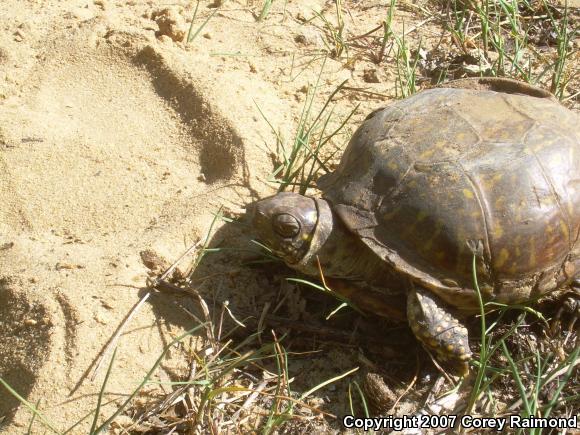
[[112, 142], [115, 138]]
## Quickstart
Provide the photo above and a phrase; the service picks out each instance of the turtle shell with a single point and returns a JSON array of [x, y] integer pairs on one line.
[[486, 167]]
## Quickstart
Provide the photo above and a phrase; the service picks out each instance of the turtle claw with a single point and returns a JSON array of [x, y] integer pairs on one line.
[[439, 329]]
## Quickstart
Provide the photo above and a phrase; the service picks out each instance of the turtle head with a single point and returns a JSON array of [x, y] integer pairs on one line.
[[286, 223]]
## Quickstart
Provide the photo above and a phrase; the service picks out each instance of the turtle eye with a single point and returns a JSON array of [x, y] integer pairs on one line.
[[286, 225]]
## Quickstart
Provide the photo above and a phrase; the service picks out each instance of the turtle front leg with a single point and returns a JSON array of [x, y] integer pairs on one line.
[[438, 329]]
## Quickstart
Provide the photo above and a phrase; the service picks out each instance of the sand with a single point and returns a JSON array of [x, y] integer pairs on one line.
[[116, 137], [111, 142]]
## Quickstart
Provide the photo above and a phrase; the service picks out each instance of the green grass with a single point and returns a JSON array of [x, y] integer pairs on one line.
[[301, 162], [503, 28], [191, 34], [406, 82], [334, 40], [564, 38], [531, 375], [265, 10], [388, 33], [96, 430]]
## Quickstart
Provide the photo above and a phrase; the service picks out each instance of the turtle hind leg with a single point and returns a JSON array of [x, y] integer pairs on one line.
[[438, 329]]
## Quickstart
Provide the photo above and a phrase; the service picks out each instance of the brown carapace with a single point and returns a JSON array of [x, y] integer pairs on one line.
[[479, 167]]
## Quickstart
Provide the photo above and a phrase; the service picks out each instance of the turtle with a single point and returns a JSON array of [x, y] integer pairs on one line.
[[477, 177]]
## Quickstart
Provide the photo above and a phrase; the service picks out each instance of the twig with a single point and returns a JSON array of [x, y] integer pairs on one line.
[[154, 282], [251, 399], [113, 342], [411, 384], [151, 283]]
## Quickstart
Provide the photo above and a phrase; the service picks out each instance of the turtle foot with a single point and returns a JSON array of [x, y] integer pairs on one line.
[[440, 331]]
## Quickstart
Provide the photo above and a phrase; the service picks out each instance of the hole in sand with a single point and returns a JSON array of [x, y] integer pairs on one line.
[[25, 329]]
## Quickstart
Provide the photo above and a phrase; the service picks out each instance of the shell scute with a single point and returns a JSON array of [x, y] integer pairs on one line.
[[448, 167]]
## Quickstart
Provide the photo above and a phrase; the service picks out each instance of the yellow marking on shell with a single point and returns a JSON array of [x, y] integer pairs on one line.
[[569, 269], [549, 229], [564, 229], [518, 211], [503, 256], [432, 342], [428, 245], [557, 160], [305, 237], [517, 251], [412, 184], [497, 231], [504, 134], [461, 350], [468, 193], [490, 183], [513, 268], [428, 153], [440, 255], [460, 137], [392, 165], [539, 146], [440, 144], [532, 251], [450, 348], [421, 216]]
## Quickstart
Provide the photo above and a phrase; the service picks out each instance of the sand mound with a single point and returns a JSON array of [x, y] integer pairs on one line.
[[110, 146], [92, 114]]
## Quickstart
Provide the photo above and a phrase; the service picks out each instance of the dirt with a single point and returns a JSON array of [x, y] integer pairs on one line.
[[118, 142]]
